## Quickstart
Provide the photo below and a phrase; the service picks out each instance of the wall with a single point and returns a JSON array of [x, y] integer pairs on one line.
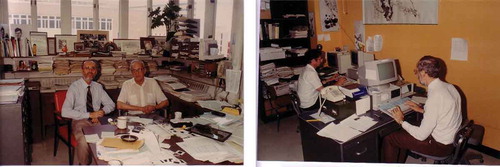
[[476, 21]]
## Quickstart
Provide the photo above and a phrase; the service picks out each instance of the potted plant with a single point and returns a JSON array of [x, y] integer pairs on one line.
[[166, 16]]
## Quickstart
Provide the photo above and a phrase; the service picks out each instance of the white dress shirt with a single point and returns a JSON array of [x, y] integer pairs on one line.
[[442, 114], [75, 104], [308, 83], [149, 93]]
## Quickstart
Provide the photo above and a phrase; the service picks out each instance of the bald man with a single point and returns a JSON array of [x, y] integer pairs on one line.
[[141, 95]]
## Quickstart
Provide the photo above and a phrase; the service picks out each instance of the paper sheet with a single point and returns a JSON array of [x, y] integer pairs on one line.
[[338, 132], [362, 105], [107, 134], [93, 138], [323, 117], [233, 80], [378, 42], [362, 123], [327, 37], [213, 104], [459, 49]]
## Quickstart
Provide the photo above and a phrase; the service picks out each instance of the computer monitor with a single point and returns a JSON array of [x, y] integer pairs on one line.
[[378, 73]]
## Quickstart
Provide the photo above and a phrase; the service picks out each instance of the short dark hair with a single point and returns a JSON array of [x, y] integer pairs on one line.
[[18, 29], [430, 65], [312, 54]]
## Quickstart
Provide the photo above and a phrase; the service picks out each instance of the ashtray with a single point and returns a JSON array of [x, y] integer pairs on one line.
[[129, 138]]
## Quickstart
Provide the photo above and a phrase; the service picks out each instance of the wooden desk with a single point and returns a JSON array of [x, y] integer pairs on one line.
[[363, 148], [172, 142]]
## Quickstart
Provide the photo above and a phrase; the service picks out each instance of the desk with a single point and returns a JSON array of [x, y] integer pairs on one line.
[[172, 142], [362, 148]]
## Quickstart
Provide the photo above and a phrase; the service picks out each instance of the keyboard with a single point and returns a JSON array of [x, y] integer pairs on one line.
[[389, 106]]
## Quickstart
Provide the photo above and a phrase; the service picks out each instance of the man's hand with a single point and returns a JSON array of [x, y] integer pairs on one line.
[[95, 120], [341, 81], [398, 115], [414, 106], [96, 114], [148, 109]]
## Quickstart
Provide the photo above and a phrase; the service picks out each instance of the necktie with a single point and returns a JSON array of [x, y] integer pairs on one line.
[[89, 100]]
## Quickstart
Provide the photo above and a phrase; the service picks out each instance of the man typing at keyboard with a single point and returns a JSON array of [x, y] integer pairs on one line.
[[309, 84], [441, 117]]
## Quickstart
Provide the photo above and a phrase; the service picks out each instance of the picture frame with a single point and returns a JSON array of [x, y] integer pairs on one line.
[[65, 40], [147, 43], [39, 39], [160, 41], [90, 37], [51, 46], [129, 46], [79, 46], [418, 12]]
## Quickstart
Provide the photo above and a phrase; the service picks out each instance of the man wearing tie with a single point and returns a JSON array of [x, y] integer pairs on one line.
[[83, 104]]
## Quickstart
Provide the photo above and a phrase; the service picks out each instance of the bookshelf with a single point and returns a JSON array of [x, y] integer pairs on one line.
[[285, 24]]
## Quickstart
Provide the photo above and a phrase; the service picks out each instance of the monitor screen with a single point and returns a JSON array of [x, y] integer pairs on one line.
[[386, 70], [354, 58]]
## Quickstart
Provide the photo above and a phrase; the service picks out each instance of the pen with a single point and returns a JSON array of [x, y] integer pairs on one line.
[[312, 120]]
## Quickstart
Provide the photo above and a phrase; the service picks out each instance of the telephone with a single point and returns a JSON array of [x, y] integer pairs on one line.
[[332, 93]]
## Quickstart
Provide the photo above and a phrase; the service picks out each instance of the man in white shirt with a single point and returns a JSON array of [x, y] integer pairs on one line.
[[441, 121], [309, 84], [140, 95]]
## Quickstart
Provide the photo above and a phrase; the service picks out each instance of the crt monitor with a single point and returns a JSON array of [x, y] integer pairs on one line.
[[378, 73]]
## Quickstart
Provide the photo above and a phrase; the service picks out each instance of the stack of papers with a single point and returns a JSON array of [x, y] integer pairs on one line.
[[285, 72], [151, 65], [61, 67], [75, 66], [107, 67], [298, 70], [348, 128], [205, 149], [121, 67], [269, 53], [166, 78], [176, 85], [10, 90], [194, 95], [44, 66], [214, 105]]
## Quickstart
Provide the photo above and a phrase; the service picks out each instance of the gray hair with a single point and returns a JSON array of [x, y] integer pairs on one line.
[[93, 61], [137, 61]]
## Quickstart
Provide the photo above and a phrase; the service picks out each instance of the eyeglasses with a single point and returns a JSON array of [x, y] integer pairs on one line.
[[137, 70]]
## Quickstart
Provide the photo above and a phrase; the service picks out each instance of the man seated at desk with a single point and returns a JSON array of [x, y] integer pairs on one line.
[[441, 120], [309, 84], [141, 95], [83, 104]]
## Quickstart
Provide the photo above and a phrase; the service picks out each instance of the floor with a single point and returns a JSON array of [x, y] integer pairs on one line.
[[285, 145], [44, 149]]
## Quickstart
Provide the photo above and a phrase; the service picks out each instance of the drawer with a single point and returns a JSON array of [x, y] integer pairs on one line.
[[361, 150]]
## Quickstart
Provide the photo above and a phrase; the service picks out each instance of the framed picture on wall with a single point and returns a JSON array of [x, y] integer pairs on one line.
[[79, 46], [51, 46], [160, 41], [89, 37], [400, 12], [129, 46], [39, 43], [147, 43], [65, 42]]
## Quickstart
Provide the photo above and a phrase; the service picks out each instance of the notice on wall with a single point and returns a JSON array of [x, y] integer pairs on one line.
[[459, 49]]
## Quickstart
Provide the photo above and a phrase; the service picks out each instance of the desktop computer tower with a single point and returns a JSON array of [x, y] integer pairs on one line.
[[341, 60]]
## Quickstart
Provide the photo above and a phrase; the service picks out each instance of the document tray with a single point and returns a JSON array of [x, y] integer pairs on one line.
[[210, 132]]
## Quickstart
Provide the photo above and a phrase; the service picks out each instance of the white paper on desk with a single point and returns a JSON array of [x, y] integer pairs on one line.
[[144, 121], [151, 141], [459, 49], [419, 99], [215, 105], [107, 134], [362, 123], [233, 80], [205, 149], [338, 132], [93, 138], [323, 117]]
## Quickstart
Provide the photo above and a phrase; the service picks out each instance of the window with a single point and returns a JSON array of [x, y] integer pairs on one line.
[[19, 11], [199, 13], [106, 24], [159, 31], [138, 15], [49, 19], [109, 10], [81, 12], [223, 26]]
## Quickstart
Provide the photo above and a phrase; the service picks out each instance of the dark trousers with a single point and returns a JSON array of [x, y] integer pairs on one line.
[[397, 143], [313, 107]]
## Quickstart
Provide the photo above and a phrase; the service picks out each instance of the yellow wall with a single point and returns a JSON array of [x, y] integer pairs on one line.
[[476, 21]]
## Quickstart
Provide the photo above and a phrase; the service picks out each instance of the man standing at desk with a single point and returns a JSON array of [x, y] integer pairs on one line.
[[83, 104], [141, 95], [309, 84], [441, 120]]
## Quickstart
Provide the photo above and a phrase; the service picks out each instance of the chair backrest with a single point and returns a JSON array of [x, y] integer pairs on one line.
[[460, 141], [59, 98], [296, 102]]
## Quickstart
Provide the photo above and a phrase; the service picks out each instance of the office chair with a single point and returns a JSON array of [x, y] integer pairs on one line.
[[475, 140], [296, 106], [460, 141], [279, 101], [62, 129]]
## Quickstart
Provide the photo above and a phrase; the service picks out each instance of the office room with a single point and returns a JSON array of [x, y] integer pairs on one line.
[[353, 38], [121, 82]]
